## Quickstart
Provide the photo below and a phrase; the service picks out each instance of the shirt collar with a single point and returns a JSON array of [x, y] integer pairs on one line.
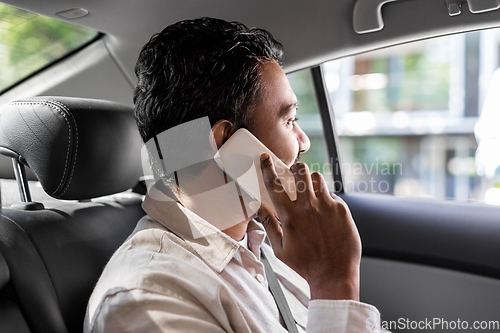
[[212, 245]]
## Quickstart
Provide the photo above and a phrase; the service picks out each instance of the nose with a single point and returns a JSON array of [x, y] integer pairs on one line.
[[302, 139]]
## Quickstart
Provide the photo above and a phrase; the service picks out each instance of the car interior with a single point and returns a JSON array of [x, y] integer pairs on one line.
[[72, 181]]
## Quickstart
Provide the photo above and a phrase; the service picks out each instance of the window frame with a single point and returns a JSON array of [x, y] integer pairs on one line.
[[328, 122]]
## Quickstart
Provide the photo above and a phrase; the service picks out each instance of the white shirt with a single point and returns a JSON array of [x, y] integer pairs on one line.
[[163, 279]]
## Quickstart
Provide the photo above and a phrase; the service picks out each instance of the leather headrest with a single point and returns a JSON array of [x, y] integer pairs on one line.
[[78, 148]]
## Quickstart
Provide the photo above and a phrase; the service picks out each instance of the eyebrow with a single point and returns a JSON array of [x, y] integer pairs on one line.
[[285, 109]]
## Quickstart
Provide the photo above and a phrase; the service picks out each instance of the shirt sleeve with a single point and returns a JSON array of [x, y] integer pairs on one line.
[[142, 311], [341, 316]]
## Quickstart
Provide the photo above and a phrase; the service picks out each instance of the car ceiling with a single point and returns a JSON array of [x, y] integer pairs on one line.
[[312, 31]]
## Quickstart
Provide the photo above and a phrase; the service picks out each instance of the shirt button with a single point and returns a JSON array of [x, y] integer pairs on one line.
[[259, 278]]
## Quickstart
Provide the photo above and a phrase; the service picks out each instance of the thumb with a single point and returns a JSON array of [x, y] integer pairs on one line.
[[272, 226]]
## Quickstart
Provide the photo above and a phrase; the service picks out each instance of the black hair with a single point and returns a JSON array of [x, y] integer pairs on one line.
[[202, 67]]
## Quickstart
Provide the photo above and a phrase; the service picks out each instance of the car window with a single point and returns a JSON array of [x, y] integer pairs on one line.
[[30, 42], [406, 115], [310, 122]]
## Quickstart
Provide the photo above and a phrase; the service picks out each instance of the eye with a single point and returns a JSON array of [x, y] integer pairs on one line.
[[291, 121]]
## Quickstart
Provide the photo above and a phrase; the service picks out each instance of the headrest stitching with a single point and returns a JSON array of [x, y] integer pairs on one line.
[[64, 107], [51, 104]]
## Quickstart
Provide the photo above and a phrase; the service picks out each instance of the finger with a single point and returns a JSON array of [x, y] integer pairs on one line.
[[303, 182], [273, 184], [319, 185], [272, 226], [337, 198], [342, 202]]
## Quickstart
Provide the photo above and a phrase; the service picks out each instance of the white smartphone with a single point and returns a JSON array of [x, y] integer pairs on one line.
[[232, 157]]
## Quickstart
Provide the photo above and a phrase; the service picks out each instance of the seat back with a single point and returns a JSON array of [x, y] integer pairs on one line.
[[51, 257]]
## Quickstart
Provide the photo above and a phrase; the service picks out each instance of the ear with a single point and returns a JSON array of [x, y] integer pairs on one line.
[[221, 131]]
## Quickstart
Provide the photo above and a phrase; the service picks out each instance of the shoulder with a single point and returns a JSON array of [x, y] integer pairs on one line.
[[155, 260]]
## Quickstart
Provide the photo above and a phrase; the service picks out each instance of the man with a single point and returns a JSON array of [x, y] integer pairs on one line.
[[168, 278]]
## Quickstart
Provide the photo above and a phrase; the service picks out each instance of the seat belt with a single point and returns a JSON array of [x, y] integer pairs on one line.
[[279, 297]]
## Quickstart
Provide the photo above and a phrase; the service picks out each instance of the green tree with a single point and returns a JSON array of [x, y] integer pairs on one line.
[[29, 41]]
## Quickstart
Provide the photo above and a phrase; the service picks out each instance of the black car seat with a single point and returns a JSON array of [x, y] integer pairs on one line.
[[52, 253]]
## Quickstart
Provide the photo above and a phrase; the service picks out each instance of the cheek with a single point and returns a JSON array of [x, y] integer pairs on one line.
[[286, 148]]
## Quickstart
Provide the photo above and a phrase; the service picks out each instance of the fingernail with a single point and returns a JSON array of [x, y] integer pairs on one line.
[[254, 206], [264, 157]]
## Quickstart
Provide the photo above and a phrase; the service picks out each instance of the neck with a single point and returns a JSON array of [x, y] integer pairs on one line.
[[238, 231]]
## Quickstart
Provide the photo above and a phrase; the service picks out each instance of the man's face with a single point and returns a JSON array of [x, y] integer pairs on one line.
[[274, 116]]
